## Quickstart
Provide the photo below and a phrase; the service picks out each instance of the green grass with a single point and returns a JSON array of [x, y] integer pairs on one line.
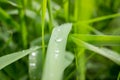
[[84, 33]]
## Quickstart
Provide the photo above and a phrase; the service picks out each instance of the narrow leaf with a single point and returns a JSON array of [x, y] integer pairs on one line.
[[100, 18], [55, 57], [106, 40], [10, 58], [114, 56]]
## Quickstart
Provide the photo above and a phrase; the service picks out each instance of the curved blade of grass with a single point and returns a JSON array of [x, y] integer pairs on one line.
[[54, 67], [106, 40], [10, 58], [114, 56]]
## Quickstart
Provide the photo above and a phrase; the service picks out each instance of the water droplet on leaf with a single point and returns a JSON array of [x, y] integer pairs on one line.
[[33, 54], [57, 51], [32, 64], [58, 39]]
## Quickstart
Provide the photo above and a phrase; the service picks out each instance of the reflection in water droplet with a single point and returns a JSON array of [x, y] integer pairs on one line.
[[32, 64], [57, 51], [56, 55], [58, 39], [33, 54]]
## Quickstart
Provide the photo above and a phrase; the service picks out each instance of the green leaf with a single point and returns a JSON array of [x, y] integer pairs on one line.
[[100, 18], [114, 56], [104, 40], [10, 58], [44, 7], [50, 15], [55, 58]]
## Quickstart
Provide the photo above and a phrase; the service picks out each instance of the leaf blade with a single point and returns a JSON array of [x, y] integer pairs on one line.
[[10, 58], [114, 56], [53, 69]]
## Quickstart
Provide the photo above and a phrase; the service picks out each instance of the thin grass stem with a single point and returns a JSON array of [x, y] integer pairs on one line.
[[44, 7], [23, 23], [50, 16]]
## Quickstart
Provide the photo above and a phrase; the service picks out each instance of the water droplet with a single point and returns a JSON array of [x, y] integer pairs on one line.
[[32, 64], [56, 55], [58, 39], [57, 51], [33, 54]]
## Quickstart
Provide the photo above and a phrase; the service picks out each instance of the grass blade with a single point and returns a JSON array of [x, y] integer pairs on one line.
[[10, 58], [50, 15], [66, 10], [114, 56], [99, 18], [24, 31], [44, 7], [106, 40], [55, 57]]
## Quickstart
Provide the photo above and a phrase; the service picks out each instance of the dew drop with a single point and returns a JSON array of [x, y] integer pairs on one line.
[[58, 39], [33, 54], [56, 55], [57, 51], [32, 64]]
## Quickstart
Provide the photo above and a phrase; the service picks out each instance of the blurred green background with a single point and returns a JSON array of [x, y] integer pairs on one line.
[[21, 26]]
